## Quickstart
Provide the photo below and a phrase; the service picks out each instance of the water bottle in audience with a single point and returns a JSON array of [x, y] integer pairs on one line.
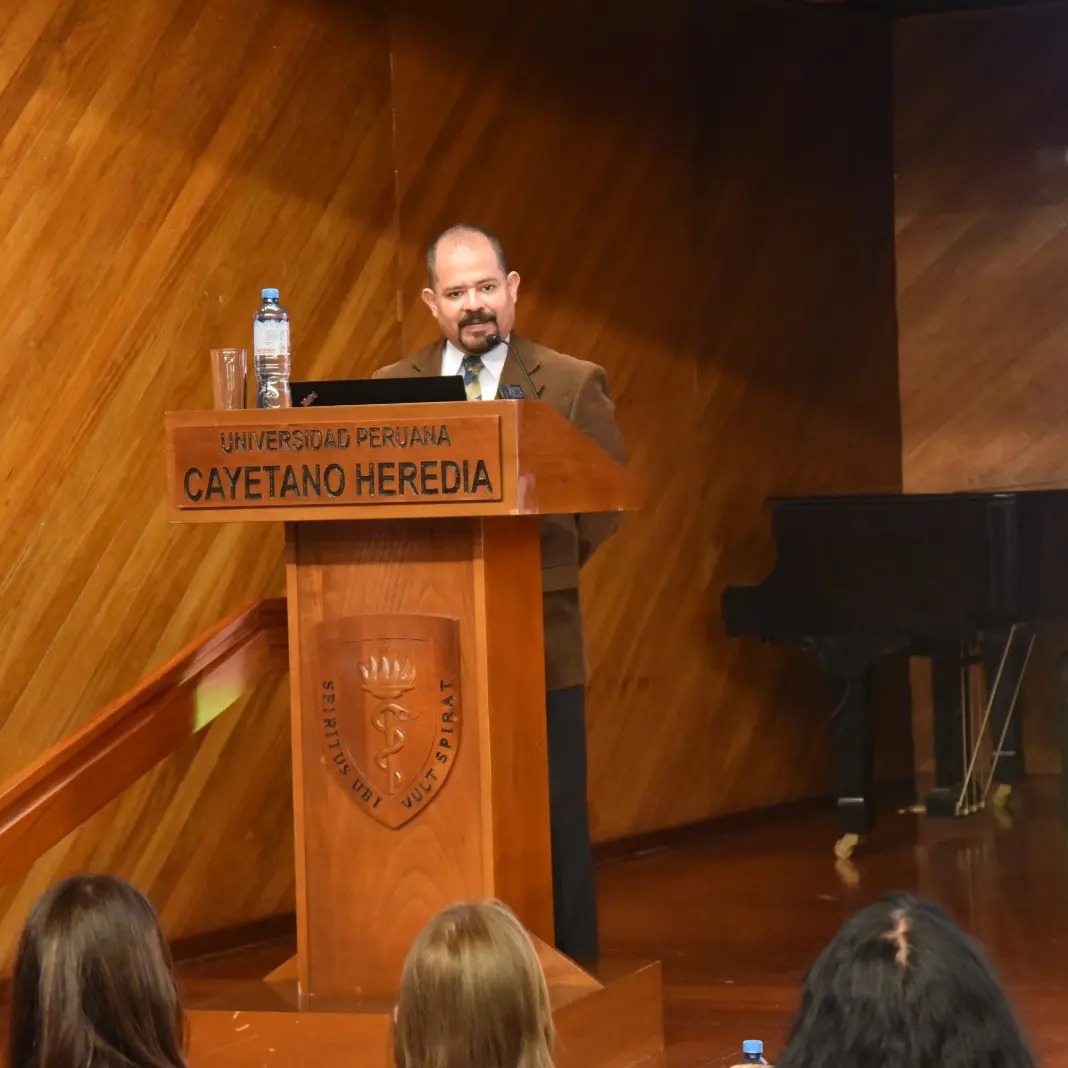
[[753, 1051], [270, 344]]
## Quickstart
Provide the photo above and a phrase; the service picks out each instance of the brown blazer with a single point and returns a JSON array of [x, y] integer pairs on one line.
[[579, 391]]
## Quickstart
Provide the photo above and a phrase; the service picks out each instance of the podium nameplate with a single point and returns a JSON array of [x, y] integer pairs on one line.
[[301, 463]]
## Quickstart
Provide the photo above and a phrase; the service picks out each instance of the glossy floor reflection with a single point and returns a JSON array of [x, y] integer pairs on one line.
[[737, 918]]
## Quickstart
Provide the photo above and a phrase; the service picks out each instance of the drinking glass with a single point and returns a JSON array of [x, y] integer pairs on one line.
[[229, 370]]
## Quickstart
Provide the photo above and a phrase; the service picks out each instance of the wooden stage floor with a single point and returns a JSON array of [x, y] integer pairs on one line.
[[737, 919], [737, 916]]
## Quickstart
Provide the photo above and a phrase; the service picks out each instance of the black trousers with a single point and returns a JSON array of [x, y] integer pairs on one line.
[[574, 886]]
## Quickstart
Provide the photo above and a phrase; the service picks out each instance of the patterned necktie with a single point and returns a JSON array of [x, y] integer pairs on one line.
[[472, 368]]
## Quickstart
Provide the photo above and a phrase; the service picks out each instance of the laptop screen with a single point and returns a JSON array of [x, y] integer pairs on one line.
[[419, 390]]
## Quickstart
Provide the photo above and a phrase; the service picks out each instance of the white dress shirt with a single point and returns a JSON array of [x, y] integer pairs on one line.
[[489, 378]]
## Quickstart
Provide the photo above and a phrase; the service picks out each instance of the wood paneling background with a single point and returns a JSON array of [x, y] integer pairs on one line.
[[981, 132], [797, 379], [162, 160], [684, 199]]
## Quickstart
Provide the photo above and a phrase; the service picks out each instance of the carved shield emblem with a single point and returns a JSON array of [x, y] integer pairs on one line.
[[389, 700]]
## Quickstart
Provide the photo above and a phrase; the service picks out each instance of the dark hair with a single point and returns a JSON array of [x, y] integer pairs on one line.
[[94, 983], [462, 228], [902, 986]]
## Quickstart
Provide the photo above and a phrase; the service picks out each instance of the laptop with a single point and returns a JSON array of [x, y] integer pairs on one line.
[[418, 390]]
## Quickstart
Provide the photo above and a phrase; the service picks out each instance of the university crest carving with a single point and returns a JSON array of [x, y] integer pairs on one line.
[[389, 709]]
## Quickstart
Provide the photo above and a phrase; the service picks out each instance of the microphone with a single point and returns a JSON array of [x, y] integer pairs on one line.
[[495, 339]]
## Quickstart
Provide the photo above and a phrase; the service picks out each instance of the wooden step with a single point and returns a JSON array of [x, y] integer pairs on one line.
[[241, 1025]]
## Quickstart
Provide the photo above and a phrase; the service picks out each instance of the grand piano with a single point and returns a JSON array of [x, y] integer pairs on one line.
[[961, 578]]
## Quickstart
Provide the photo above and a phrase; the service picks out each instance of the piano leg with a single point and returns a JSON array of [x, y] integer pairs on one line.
[[947, 696], [1062, 679], [847, 666], [851, 724]]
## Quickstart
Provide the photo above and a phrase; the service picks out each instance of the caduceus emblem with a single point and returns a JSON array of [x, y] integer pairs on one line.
[[386, 681]]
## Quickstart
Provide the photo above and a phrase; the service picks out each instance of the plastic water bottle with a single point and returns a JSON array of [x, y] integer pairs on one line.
[[753, 1051], [270, 346]]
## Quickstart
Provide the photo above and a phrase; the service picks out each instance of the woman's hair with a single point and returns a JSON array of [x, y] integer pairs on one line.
[[473, 995], [902, 986], [94, 985]]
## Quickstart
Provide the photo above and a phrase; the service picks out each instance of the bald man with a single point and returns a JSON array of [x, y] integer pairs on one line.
[[472, 295]]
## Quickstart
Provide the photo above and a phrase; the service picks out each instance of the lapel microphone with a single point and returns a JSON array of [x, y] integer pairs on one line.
[[495, 339]]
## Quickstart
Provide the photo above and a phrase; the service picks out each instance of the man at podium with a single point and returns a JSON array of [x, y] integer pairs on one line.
[[472, 295]]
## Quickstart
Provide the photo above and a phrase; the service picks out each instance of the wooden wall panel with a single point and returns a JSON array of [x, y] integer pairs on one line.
[[797, 366], [982, 201], [163, 160], [684, 230], [980, 129]]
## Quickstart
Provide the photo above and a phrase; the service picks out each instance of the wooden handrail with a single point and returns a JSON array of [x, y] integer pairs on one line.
[[77, 777]]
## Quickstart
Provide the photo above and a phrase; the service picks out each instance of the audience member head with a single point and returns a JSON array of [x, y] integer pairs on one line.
[[902, 986], [94, 985], [470, 291], [473, 995]]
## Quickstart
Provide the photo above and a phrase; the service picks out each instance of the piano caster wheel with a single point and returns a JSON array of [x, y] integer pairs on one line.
[[843, 848], [1002, 794], [847, 872]]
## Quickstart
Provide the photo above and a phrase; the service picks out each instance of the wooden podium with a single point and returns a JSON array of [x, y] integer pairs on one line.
[[417, 694]]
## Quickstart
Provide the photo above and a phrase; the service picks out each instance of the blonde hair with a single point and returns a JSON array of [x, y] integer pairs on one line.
[[473, 995]]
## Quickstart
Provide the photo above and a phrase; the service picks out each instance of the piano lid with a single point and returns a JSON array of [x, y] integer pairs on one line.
[[922, 565]]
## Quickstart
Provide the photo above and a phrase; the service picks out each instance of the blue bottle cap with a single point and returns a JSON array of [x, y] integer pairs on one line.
[[269, 294], [752, 1045]]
